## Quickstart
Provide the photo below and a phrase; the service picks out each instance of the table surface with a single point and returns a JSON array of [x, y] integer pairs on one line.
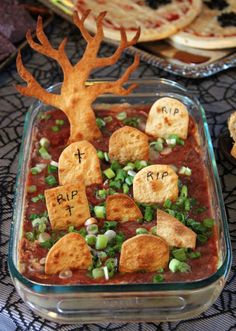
[[218, 96]]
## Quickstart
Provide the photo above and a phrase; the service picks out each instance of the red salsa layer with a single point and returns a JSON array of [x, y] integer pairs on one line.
[[192, 208]]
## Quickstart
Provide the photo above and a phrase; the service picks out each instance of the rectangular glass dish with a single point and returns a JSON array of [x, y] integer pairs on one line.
[[124, 302]]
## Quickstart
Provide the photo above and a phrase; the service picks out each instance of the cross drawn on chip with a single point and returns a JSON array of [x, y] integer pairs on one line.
[[76, 97]]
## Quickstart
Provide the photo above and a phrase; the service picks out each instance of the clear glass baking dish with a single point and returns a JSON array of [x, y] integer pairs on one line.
[[124, 302]]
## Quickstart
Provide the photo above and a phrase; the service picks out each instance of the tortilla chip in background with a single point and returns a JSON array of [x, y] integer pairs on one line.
[[155, 184], [79, 162], [167, 116], [128, 144], [67, 205], [174, 232], [143, 252], [69, 252], [120, 207]]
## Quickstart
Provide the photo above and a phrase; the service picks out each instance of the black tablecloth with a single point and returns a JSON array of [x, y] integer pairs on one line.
[[218, 96]]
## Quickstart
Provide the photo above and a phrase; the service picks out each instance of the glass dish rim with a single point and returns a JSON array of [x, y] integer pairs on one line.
[[223, 270]]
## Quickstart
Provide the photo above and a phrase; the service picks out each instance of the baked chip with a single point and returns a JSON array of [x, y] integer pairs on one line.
[[167, 116], [120, 207], [155, 184], [232, 125], [67, 205], [143, 252], [79, 161], [174, 232], [70, 252], [128, 144]]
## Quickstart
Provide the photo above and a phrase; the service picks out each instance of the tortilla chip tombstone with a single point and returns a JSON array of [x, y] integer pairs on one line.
[[79, 161], [143, 252], [155, 184], [128, 144], [69, 252], [67, 205], [120, 207], [174, 232], [168, 116]]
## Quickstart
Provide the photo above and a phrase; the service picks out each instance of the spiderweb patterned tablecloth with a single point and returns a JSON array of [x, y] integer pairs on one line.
[[217, 94]]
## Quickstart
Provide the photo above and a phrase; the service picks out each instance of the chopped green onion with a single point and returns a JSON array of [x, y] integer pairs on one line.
[[108, 119], [102, 194], [148, 213], [141, 231], [46, 244], [171, 142], [111, 234], [121, 116], [92, 229], [167, 203], [187, 205], [35, 170], [52, 169], [154, 230], [55, 128], [179, 254], [132, 173], [30, 236], [102, 255], [83, 232], [184, 192], [194, 255], [44, 116], [60, 122], [125, 188], [111, 266], [158, 279], [44, 142], [71, 228], [115, 184], [50, 180], [106, 157], [44, 153], [129, 180], [109, 225], [100, 211], [32, 188], [208, 223], [140, 164], [38, 198], [158, 145], [176, 265], [202, 238], [132, 121], [185, 171], [109, 173], [97, 273], [38, 168], [42, 227], [100, 122], [115, 165], [101, 242], [178, 140], [34, 216], [110, 191], [129, 166], [121, 175], [90, 239], [100, 155]]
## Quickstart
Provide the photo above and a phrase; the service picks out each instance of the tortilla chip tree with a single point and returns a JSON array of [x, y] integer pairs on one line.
[[76, 97]]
